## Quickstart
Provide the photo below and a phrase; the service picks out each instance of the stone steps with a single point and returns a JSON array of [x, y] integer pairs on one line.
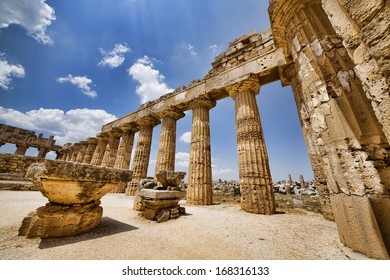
[[15, 182]]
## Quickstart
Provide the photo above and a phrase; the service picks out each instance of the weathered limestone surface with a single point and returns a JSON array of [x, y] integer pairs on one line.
[[341, 124], [199, 191], [170, 180], [159, 205], [92, 143], [55, 220], [74, 191], [257, 194], [142, 153], [167, 146], [98, 154], [111, 151]]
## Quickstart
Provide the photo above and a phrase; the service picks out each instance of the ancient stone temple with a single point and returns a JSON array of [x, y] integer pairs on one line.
[[335, 56]]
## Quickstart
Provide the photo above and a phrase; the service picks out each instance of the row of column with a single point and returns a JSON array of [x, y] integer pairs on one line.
[[255, 179]]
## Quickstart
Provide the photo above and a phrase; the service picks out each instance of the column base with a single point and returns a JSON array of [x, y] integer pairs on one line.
[[363, 224]]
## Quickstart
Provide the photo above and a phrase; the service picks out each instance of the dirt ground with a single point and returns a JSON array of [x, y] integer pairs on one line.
[[217, 232]]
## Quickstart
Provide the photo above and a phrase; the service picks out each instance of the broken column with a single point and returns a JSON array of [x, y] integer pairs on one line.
[[142, 153], [199, 191], [257, 194], [160, 202], [347, 133], [74, 191]]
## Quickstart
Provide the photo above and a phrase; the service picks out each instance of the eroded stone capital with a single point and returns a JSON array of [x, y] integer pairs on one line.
[[148, 121], [172, 112], [202, 102], [92, 140], [102, 136], [251, 84]]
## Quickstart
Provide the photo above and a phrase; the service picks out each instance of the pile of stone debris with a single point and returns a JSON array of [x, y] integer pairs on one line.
[[223, 187]]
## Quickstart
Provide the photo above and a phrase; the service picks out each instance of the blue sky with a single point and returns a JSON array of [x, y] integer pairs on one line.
[[68, 67]]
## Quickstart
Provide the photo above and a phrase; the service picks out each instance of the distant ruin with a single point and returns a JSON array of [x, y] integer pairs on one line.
[[335, 56]]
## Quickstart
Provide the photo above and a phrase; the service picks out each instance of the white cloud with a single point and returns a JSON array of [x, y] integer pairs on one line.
[[34, 15], [186, 137], [71, 126], [9, 70], [182, 159], [81, 82], [151, 82], [191, 49], [115, 57], [215, 49]]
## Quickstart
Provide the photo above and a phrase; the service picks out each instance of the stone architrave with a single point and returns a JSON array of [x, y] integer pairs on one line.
[[199, 191], [100, 148], [92, 143], [167, 146], [111, 151], [257, 194], [336, 111], [142, 153]]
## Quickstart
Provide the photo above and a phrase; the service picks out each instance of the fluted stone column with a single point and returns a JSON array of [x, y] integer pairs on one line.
[[125, 148], [167, 146], [111, 148], [21, 149], [347, 132], [257, 194], [70, 152], [42, 152], [100, 148], [82, 151], [92, 143], [142, 153], [199, 191], [76, 150]]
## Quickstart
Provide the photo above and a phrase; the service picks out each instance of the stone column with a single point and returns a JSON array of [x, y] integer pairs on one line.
[[125, 148], [21, 149], [42, 152], [70, 152], [199, 191], [142, 153], [100, 148], [82, 151], [92, 143], [167, 146], [124, 154], [76, 149], [341, 119], [111, 148], [257, 194]]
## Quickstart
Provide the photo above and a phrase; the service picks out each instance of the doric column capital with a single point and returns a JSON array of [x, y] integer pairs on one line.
[[202, 102], [92, 140], [83, 143], [148, 121], [115, 133], [129, 128], [102, 136], [172, 112], [250, 84]]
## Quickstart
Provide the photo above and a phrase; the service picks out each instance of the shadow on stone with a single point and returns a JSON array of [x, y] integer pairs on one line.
[[106, 227]]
